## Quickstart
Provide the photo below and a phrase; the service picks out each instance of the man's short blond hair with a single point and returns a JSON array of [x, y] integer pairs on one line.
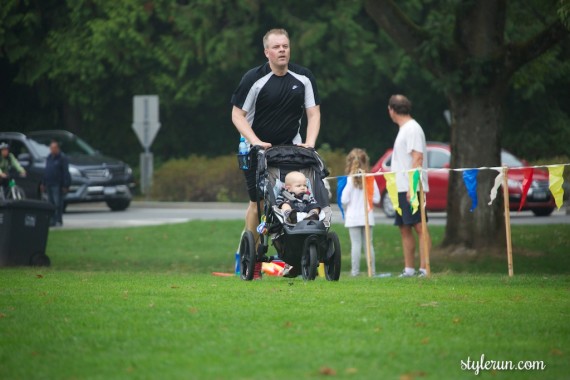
[[279, 31]]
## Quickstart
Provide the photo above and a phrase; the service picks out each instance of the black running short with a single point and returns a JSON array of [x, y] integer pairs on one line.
[[407, 218], [251, 178]]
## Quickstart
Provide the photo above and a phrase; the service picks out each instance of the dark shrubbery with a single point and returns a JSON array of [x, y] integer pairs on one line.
[[200, 179]]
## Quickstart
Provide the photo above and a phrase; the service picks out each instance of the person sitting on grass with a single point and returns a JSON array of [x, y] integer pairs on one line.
[[295, 197]]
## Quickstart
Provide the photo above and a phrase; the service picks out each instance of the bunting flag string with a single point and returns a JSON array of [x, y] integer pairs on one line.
[[555, 179], [432, 170], [470, 180], [498, 181], [392, 191]]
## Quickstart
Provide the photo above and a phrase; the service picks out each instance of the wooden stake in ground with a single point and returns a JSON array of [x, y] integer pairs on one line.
[[507, 220], [366, 224], [425, 232]]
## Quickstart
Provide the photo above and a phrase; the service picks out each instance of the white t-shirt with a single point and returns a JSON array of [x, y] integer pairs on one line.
[[353, 201], [410, 137]]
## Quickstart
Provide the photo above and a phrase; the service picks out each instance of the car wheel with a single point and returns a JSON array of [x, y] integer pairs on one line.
[[387, 206], [542, 211], [118, 204]]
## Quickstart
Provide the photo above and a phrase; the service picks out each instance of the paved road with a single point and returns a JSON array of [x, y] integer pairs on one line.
[[153, 213]]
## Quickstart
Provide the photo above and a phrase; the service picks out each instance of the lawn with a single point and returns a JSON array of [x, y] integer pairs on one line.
[[141, 303]]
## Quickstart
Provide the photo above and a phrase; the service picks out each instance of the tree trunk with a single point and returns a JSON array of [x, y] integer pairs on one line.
[[71, 118], [475, 142]]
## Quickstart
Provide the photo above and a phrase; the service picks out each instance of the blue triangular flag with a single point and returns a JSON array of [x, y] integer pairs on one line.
[[340, 185], [470, 180]]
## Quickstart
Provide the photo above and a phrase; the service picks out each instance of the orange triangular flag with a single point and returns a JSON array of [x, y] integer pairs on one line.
[[370, 191]]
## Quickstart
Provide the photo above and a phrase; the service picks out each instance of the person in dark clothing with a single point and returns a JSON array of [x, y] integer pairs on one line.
[[56, 181]]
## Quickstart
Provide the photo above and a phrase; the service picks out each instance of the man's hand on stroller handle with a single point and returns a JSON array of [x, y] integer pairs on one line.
[[262, 144], [305, 145]]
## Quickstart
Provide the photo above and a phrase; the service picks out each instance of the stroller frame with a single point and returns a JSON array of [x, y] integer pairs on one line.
[[304, 244]]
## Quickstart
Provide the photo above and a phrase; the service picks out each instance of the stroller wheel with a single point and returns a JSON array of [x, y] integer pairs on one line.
[[247, 256], [309, 263], [332, 264]]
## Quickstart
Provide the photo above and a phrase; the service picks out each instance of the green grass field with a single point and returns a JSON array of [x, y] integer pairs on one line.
[[141, 303]]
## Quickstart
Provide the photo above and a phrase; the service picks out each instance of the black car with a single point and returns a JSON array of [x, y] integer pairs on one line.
[[94, 177]]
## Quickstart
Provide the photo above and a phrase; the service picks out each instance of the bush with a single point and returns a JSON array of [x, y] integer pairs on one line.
[[200, 179]]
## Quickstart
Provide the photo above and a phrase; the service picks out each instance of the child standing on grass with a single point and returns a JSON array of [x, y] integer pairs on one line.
[[352, 199]]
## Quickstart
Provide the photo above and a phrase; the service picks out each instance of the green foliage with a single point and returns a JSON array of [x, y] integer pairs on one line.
[[564, 12], [76, 64]]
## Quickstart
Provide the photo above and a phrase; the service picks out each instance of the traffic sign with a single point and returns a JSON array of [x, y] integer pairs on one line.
[[146, 118]]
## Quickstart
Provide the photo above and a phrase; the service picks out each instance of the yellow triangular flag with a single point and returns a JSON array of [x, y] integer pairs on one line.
[[556, 181], [393, 191]]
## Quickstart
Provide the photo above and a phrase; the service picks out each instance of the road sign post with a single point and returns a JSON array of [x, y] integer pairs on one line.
[[146, 125]]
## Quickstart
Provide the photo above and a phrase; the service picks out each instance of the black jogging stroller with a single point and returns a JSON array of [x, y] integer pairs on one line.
[[302, 245]]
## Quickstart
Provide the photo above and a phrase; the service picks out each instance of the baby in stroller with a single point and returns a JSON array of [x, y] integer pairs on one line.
[[295, 215], [295, 198]]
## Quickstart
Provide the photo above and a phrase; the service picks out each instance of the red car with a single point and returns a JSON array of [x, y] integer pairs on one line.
[[539, 199]]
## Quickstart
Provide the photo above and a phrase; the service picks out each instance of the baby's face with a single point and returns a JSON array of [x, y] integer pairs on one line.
[[297, 186]]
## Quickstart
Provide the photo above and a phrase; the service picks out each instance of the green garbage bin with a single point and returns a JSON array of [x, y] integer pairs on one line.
[[24, 228]]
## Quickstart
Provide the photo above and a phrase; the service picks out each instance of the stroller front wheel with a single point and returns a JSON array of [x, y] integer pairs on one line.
[[309, 262], [247, 255]]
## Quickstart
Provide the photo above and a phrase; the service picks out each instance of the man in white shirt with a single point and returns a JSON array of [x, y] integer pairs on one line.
[[409, 153]]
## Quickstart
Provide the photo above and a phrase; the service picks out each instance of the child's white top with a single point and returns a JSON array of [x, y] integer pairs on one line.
[[353, 202]]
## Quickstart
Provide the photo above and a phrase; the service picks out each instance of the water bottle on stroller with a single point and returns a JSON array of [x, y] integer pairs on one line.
[[243, 154]]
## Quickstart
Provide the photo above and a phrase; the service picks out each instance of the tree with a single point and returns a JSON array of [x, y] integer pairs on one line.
[[75, 64], [471, 50]]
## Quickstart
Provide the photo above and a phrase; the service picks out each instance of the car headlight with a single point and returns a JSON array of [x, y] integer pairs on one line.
[[515, 184], [128, 170], [74, 172]]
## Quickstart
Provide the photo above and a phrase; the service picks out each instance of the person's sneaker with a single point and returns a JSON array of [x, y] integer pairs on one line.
[[406, 274], [421, 274], [257, 275], [290, 272]]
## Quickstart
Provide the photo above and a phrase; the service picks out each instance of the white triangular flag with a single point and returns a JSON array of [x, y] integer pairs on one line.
[[498, 181]]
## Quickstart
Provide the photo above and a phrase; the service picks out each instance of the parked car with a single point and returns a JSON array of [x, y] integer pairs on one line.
[[539, 199], [94, 177]]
